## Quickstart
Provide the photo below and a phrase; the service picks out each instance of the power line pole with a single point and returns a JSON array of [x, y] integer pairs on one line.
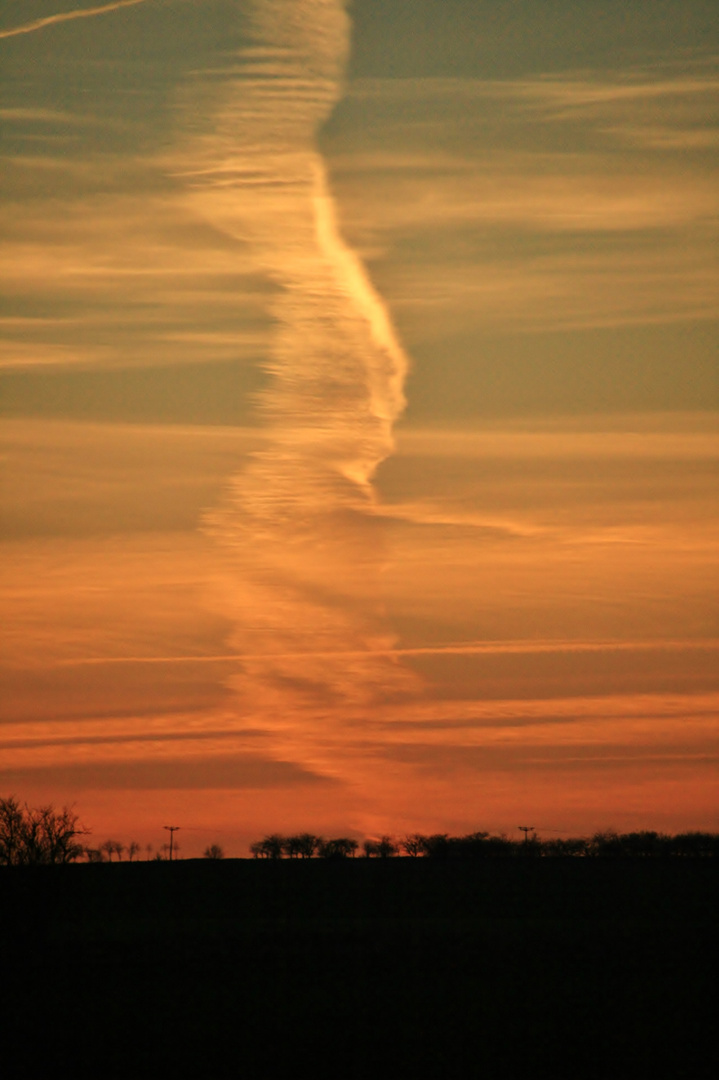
[[172, 829], [526, 829]]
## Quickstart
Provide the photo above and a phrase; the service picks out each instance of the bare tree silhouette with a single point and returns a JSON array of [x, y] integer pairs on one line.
[[38, 835], [414, 845]]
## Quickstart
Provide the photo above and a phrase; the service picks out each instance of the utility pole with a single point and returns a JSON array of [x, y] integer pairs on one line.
[[172, 829], [526, 829]]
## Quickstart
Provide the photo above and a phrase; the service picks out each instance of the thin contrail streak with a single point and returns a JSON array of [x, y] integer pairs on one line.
[[66, 16], [466, 649]]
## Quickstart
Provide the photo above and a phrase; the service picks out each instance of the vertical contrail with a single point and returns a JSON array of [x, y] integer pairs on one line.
[[299, 523], [337, 367]]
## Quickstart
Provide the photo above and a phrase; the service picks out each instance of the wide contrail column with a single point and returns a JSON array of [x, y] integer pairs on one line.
[[299, 526]]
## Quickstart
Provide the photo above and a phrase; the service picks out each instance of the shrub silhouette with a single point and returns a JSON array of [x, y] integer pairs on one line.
[[214, 851], [384, 848], [302, 846], [339, 848], [271, 847]]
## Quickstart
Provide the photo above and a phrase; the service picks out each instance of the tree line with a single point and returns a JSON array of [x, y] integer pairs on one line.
[[45, 836], [608, 843]]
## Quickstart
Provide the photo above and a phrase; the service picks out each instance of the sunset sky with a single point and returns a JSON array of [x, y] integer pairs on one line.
[[360, 392]]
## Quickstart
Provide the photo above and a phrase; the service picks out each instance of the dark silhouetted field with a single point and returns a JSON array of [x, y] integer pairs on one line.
[[521, 968]]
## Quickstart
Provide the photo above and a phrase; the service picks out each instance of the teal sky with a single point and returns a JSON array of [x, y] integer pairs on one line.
[[533, 188], [360, 369]]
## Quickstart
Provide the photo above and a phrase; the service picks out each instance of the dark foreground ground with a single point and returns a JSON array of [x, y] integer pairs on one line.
[[506, 968]]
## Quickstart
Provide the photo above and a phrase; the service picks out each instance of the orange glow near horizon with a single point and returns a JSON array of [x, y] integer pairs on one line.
[[547, 686]]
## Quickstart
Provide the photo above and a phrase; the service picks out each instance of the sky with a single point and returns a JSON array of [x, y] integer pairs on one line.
[[359, 411]]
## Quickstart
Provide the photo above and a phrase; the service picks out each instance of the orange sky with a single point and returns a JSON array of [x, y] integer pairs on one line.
[[360, 421], [551, 657]]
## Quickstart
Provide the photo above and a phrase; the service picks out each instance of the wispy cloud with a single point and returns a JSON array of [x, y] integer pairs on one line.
[[228, 772], [579, 288], [23, 115], [587, 90], [581, 195], [637, 436], [526, 214], [73, 268]]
